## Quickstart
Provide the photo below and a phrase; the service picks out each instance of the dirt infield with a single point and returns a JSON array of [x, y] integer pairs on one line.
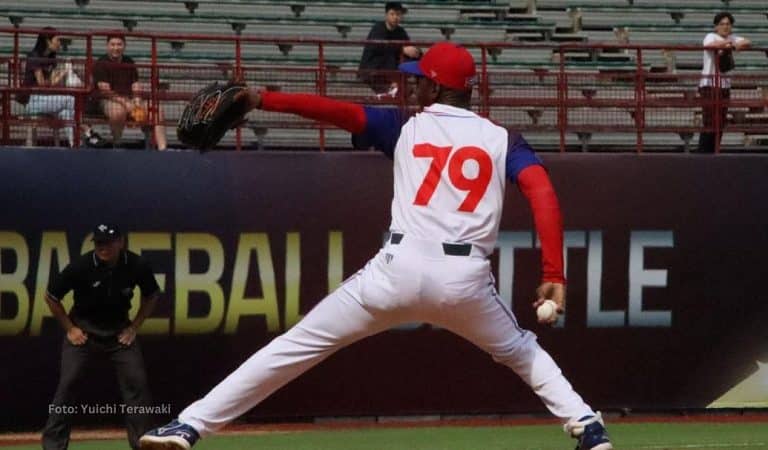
[[9, 439]]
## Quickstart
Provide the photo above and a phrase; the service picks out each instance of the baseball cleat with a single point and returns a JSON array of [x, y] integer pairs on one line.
[[174, 436], [590, 431]]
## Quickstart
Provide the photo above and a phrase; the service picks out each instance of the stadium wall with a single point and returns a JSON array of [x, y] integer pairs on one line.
[[665, 260]]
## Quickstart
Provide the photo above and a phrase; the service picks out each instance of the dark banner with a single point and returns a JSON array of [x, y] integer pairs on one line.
[[665, 262]]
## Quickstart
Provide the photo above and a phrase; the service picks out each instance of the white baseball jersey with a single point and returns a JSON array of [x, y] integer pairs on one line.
[[450, 171], [449, 177]]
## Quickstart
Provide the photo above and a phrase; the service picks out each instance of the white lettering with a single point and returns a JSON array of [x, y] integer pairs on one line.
[[640, 277], [596, 317]]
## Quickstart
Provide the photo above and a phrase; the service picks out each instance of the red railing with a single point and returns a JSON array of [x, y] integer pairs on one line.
[[564, 98]]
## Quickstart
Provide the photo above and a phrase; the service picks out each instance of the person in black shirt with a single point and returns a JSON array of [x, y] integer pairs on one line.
[[118, 90], [378, 59], [98, 327]]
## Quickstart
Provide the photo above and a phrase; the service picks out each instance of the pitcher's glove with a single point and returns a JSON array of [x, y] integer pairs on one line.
[[211, 113]]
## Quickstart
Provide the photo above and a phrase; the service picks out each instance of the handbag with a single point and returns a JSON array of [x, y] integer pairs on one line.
[[72, 80], [725, 61]]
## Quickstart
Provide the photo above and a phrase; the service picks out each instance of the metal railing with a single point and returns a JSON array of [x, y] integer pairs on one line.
[[570, 91]]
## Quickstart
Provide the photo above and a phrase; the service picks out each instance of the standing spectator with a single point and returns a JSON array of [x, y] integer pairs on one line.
[[98, 327], [721, 44], [41, 71], [378, 58], [119, 89]]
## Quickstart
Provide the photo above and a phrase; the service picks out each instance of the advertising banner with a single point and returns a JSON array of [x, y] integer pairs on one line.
[[665, 258]]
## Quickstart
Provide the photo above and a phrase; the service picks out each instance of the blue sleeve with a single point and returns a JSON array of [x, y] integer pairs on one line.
[[382, 129], [519, 156]]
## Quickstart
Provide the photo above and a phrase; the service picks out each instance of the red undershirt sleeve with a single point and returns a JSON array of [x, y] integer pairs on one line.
[[537, 188], [345, 115]]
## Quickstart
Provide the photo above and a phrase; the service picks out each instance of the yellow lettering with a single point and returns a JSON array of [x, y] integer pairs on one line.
[[238, 304], [138, 242], [207, 282], [292, 279], [335, 259], [52, 241], [13, 282], [87, 244]]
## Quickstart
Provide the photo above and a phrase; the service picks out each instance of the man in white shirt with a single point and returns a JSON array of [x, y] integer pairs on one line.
[[713, 84]]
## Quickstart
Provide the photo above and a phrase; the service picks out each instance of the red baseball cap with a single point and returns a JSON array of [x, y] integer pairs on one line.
[[445, 63]]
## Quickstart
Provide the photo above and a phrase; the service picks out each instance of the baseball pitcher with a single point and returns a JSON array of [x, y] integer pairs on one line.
[[450, 171]]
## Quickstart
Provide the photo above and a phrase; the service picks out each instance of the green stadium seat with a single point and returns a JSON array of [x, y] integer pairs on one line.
[[343, 24]]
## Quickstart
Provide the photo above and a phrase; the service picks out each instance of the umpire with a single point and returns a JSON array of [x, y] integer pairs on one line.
[[98, 327]]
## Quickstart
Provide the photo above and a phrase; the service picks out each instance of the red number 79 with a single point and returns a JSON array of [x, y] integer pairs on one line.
[[476, 187]]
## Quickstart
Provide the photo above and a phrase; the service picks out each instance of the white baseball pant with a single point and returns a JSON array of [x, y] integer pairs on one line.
[[412, 281]]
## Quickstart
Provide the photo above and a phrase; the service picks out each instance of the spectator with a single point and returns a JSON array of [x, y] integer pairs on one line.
[[119, 90], [377, 58], [41, 71], [98, 327], [721, 44]]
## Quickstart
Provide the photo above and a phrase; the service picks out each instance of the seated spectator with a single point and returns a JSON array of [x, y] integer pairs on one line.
[[41, 70], [377, 59], [119, 91]]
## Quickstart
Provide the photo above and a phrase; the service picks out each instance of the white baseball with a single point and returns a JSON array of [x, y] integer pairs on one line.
[[547, 310]]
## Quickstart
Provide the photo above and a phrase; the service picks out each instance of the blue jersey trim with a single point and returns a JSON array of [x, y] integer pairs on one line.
[[382, 130], [519, 156]]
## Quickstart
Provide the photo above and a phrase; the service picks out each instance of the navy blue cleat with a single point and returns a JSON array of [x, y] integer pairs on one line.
[[590, 431], [174, 436]]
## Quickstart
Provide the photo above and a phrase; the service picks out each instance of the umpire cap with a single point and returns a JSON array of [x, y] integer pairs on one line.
[[105, 232]]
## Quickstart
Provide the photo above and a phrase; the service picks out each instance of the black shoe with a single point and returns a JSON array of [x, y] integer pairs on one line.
[[174, 436], [93, 139], [590, 431]]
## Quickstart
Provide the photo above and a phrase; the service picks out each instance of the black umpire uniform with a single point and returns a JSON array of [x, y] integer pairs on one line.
[[98, 327]]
